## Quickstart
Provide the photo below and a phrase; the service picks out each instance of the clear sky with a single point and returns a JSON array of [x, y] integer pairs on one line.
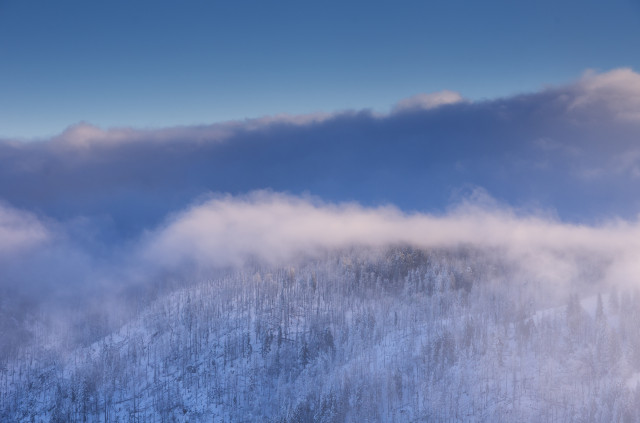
[[163, 63]]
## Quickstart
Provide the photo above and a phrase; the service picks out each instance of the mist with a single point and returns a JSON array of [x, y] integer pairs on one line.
[[294, 246], [327, 306], [53, 263]]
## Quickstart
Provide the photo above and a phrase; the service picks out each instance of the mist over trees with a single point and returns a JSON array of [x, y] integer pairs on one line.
[[390, 334], [447, 260]]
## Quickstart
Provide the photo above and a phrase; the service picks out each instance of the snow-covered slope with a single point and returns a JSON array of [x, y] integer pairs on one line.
[[402, 335]]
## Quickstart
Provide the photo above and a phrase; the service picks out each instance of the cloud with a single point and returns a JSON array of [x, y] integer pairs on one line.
[[278, 229], [617, 91], [93, 217], [85, 136], [561, 148], [67, 278], [428, 101], [20, 231]]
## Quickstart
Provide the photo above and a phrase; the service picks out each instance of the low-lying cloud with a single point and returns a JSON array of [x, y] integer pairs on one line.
[[95, 211], [570, 148], [278, 229], [20, 231], [67, 279]]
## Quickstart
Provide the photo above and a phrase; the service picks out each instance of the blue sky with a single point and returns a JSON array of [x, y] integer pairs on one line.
[[160, 63]]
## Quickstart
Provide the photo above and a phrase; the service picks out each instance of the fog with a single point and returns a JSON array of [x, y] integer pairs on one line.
[[56, 261], [446, 215], [277, 228], [381, 309], [547, 179]]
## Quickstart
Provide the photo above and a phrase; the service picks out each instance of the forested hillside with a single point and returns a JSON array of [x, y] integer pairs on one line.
[[396, 335]]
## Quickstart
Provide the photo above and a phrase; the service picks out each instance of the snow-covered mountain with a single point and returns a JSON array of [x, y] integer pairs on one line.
[[395, 335]]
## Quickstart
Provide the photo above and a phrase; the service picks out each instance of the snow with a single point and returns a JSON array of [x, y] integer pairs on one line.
[[397, 342]]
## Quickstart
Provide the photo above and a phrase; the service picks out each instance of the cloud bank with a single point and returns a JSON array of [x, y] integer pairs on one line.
[[278, 229], [93, 211], [570, 148]]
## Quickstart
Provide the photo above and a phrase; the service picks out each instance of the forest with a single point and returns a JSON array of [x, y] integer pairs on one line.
[[393, 334]]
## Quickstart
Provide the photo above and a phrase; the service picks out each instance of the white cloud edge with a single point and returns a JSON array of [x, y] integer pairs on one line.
[[616, 90], [21, 230], [278, 228]]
